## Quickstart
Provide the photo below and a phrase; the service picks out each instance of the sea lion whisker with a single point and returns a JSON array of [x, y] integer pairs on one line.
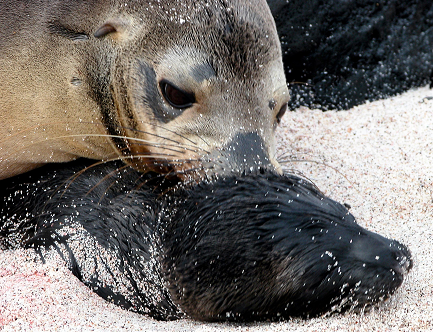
[[167, 146], [126, 151], [165, 177], [297, 172], [152, 143], [40, 126], [72, 178], [184, 183], [162, 127], [169, 130], [111, 174], [281, 155], [181, 149], [107, 176], [163, 137], [43, 126], [188, 147], [154, 155], [147, 159], [141, 141], [205, 142], [137, 188], [298, 83], [176, 173], [322, 164], [153, 158], [7, 154]]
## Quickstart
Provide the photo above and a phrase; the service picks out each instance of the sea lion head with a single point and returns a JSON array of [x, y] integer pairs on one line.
[[197, 85]]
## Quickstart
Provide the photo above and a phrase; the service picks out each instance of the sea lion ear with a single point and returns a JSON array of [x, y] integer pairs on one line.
[[110, 27], [104, 30]]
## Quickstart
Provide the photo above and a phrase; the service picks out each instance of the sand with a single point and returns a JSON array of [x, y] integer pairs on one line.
[[376, 157]]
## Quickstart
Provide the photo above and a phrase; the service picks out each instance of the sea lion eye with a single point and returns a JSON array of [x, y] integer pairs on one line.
[[280, 114], [175, 96]]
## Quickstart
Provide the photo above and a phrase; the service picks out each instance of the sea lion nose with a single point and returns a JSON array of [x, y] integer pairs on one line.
[[389, 254], [246, 152], [403, 257]]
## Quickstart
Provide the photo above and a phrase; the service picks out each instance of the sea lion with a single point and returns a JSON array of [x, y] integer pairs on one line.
[[163, 85], [237, 247]]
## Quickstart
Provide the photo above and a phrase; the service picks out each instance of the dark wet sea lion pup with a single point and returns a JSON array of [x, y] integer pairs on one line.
[[163, 85], [241, 247]]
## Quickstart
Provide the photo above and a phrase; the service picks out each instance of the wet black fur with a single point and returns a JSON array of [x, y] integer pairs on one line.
[[242, 247], [342, 53]]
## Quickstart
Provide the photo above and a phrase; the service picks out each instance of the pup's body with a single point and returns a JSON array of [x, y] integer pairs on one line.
[[238, 248]]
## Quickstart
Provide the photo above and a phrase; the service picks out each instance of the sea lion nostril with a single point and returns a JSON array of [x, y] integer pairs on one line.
[[404, 264], [402, 257], [404, 260]]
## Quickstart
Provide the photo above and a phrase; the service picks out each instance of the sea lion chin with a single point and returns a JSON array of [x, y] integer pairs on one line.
[[162, 85], [241, 247]]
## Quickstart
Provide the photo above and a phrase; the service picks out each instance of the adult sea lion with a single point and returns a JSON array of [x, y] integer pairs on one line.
[[240, 247], [163, 85]]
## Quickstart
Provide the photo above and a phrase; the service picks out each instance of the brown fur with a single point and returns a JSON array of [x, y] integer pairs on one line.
[[81, 79]]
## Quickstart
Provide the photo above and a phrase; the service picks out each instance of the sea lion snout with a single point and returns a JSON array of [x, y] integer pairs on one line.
[[246, 152], [377, 252]]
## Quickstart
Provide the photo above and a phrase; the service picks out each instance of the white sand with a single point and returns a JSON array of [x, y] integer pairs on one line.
[[377, 157]]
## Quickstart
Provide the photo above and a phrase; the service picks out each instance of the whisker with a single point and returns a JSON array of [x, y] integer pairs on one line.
[[149, 156], [163, 176], [300, 83], [169, 130], [143, 141], [288, 154], [188, 147], [171, 174], [322, 164], [162, 127], [107, 176], [183, 183], [41, 126], [166, 147], [161, 162]]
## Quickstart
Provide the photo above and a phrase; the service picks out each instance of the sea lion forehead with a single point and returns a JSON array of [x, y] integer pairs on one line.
[[238, 37], [181, 63]]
